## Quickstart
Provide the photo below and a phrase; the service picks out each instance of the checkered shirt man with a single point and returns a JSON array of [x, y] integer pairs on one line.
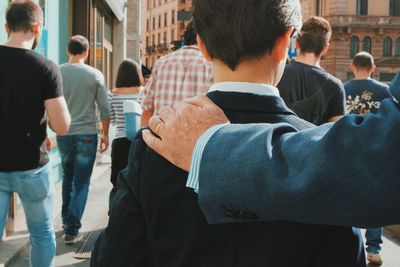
[[177, 76]]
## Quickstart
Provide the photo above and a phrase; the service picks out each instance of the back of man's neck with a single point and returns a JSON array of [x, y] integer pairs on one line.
[[20, 40], [359, 78], [309, 59], [76, 61]]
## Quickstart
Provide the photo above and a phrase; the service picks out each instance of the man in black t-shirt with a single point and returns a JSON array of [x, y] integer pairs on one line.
[[30, 88], [309, 90], [364, 95]]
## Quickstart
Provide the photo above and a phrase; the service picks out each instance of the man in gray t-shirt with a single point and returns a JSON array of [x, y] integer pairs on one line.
[[84, 89]]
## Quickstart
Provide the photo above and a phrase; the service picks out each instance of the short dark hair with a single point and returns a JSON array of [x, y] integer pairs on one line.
[[77, 45], [363, 60], [21, 15], [189, 36], [129, 74], [315, 35], [234, 30]]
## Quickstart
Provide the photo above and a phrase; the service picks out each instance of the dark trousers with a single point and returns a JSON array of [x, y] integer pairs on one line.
[[119, 160]]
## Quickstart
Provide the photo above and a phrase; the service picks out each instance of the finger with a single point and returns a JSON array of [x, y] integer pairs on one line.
[[167, 114], [200, 101], [178, 106], [152, 141], [157, 126]]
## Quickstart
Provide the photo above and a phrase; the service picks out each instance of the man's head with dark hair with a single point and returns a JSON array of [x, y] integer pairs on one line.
[[129, 74], [363, 65], [189, 37], [78, 45], [237, 30], [314, 36], [24, 16], [363, 60]]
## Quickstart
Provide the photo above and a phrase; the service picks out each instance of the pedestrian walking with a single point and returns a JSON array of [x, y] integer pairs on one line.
[[84, 90], [30, 88], [364, 95], [127, 87], [306, 87], [177, 76]]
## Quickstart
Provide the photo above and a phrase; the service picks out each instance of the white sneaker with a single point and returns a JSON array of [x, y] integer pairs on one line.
[[374, 259]]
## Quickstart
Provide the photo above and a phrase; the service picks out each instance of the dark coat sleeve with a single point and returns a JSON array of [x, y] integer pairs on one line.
[[123, 242], [345, 173]]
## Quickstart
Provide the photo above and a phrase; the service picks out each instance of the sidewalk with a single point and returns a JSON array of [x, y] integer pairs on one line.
[[97, 207]]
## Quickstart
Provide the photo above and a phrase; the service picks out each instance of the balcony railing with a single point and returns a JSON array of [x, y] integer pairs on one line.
[[151, 49], [364, 21], [162, 47]]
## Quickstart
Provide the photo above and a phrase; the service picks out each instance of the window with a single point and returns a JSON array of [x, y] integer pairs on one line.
[[394, 8], [165, 37], [367, 44], [172, 35], [397, 52], [147, 41], [165, 19], [154, 3], [173, 17], [147, 25], [154, 39], [159, 38], [362, 7], [387, 47], [354, 46], [154, 23], [159, 22]]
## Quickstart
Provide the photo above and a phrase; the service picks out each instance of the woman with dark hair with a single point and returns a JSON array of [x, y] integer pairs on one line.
[[127, 87]]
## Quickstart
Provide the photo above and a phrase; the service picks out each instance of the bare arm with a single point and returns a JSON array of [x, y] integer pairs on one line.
[[146, 115], [104, 138], [335, 118], [58, 114]]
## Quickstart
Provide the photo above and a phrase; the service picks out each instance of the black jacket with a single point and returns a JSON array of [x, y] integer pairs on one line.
[[156, 220]]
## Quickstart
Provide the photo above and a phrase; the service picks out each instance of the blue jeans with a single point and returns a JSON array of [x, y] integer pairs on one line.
[[78, 154], [374, 240], [35, 188]]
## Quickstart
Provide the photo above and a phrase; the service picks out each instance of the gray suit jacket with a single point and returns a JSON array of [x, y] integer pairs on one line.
[[347, 173]]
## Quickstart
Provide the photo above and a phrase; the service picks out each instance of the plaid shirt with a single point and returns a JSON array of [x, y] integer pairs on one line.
[[176, 77]]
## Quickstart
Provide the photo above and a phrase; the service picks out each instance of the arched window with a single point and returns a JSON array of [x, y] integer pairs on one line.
[[387, 47], [354, 46], [397, 53], [367, 44]]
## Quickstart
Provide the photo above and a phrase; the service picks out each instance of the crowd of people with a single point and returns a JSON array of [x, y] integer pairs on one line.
[[239, 176]]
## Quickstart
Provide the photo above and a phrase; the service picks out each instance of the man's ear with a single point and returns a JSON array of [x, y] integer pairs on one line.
[[352, 68], [280, 50], [373, 69], [203, 48], [36, 29], [325, 50], [8, 31]]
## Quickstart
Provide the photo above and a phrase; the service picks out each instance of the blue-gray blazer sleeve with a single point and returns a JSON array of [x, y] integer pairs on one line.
[[347, 173]]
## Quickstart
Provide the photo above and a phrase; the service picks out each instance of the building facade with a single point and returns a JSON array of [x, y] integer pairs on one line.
[[163, 25], [360, 25]]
